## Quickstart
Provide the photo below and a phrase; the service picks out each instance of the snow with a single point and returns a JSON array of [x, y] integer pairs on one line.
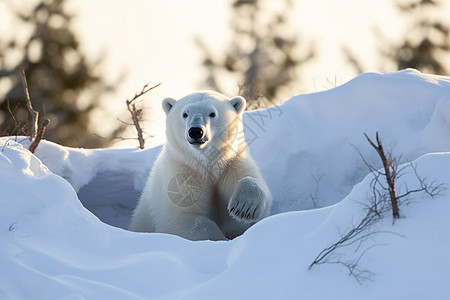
[[63, 210]]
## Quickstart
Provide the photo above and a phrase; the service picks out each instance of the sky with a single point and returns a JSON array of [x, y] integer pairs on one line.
[[153, 41]]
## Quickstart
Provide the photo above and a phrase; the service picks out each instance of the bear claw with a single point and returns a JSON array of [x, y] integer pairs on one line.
[[248, 201]]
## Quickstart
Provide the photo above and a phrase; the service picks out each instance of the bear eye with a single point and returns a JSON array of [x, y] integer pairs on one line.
[[212, 115], [185, 115]]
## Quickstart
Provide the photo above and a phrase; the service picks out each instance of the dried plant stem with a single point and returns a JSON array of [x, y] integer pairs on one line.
[[39, 136], [33, 113], [36, 132], [389, 172], [136, 113]]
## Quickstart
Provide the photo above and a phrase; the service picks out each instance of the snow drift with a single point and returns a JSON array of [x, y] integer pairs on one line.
[[307, 149]]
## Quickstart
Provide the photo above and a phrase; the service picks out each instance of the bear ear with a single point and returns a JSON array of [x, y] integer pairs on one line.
[[239, 104], [167, 104]]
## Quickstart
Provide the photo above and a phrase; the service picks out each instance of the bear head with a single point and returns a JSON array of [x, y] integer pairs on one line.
[[207, 123]]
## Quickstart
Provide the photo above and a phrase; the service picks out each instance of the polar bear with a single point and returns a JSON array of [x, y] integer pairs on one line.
[[204, 184]]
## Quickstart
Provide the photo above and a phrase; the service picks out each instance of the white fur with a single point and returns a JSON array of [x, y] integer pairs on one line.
[[206, 190]]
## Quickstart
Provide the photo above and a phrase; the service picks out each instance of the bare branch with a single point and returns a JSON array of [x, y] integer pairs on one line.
[[39, 136], [148, 134], [135, 117], [145, 90], [314, 197], [369, 166], [390, 173], [433, 189], [11, 112], [124, 123], [137, 113], [33, 113]]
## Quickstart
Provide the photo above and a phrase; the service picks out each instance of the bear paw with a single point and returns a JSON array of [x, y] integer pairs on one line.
[[248, 201]]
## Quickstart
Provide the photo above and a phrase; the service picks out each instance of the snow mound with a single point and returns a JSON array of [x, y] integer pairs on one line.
[[307, 148], [108, 181], [53, 246]]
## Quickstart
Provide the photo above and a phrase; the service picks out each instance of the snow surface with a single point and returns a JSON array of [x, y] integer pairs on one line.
[[54, 208]]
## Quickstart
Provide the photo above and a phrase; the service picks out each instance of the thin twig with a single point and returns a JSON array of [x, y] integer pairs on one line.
[[145, 90], [11, 113]]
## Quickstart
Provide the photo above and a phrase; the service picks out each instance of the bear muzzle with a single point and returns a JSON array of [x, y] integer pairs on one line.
[[197, 136]]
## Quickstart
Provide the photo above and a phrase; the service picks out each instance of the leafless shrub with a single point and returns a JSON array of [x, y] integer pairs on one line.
[[17, 127], [34, 115], [315, 196], [377, 206], [136, 114], [39, 136], [36, 132], [390, 173], [12, 226]]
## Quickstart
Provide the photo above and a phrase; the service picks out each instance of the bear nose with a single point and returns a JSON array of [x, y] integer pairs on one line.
[[195, 133]]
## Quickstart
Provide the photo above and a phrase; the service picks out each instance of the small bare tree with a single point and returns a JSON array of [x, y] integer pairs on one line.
[[36, 131], [34, 115], [381, 200], [390, 173], [136, 114]]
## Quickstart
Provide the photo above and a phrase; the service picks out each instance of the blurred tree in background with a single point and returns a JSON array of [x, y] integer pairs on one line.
[[264, 51], [424, 46], [426, 41], [63, 85]]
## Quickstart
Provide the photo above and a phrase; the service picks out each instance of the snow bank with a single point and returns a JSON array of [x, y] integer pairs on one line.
[[307, 148], [108, 181], [53, 247]]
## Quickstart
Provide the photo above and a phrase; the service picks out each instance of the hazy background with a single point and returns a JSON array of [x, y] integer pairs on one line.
[[126, 44]]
